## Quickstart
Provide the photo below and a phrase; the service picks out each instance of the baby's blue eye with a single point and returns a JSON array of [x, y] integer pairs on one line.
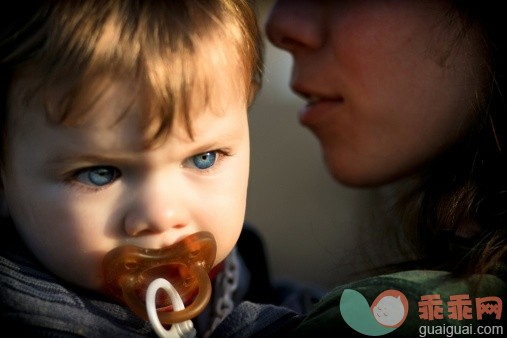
[[205, 160], [98, 176]]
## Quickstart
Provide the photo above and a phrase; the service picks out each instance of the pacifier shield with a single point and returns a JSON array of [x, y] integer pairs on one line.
[[129, 270]]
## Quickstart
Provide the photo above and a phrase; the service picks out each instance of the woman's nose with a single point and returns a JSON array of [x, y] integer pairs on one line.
[[156, 209], [296, 24]]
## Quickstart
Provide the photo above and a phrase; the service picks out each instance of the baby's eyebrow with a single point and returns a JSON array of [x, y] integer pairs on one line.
[[90, 158]]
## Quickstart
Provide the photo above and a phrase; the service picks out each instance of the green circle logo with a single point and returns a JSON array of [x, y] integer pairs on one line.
[[387, 312]]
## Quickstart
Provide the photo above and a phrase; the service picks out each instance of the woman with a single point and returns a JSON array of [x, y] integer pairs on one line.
[[410, 92]]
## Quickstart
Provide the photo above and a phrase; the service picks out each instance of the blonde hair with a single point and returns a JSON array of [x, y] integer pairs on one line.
[[164, 47]]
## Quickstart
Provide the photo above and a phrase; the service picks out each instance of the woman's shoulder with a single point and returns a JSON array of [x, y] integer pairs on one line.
[[411, 301], [419, 282]]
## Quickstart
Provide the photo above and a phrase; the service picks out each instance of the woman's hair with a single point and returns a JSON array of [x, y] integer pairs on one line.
[[460, 202], [164, 48]]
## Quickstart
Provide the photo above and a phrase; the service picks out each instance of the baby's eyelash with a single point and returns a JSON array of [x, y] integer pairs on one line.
[[206, 161], [93, 178]]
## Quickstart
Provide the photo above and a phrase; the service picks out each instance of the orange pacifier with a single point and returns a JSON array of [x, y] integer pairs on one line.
[[133, 275]]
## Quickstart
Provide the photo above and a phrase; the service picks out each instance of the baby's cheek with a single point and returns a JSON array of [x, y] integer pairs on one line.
[[225, 246], [84, 271]]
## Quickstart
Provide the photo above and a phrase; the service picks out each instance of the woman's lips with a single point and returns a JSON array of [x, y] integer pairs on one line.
[[318, 111]]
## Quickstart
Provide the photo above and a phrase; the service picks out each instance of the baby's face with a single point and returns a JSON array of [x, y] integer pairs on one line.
[[75, 193]]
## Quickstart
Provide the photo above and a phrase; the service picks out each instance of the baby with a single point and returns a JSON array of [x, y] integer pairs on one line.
[[124, 122]]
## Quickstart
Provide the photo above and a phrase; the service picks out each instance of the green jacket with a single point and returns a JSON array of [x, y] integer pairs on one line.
[[439, 305]]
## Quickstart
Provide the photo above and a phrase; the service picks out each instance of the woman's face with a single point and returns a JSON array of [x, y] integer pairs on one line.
[[390, 84]]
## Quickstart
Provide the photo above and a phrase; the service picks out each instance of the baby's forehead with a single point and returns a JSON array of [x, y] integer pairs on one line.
[[108, 98]]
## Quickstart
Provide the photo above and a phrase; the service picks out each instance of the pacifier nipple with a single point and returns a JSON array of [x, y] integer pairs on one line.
[[130, 270]]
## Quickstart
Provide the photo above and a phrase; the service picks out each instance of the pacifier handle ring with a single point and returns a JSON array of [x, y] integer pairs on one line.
[[199, 303], [178, 330], [172, 317]]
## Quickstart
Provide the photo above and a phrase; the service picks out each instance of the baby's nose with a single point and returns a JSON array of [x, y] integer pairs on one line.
[[156, 208]]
